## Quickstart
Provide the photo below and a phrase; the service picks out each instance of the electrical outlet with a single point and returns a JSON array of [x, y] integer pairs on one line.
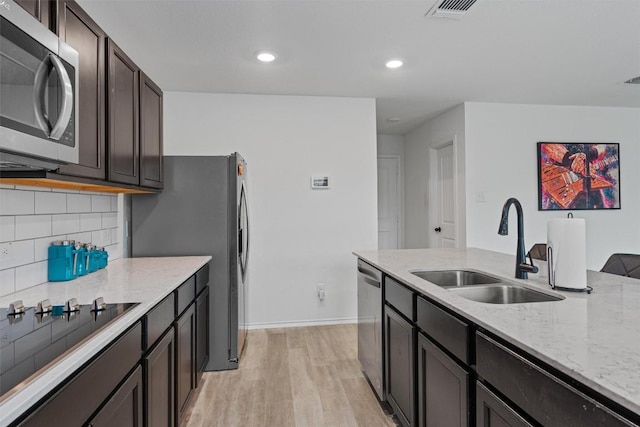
[[320, 288]]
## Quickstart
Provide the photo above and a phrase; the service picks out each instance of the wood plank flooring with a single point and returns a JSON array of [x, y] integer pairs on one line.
[[291, 377]]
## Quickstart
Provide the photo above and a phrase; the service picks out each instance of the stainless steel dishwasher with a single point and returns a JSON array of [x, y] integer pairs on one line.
[[370, 325]]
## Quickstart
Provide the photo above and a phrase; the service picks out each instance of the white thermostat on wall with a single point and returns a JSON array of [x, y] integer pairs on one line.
[[319, 182]]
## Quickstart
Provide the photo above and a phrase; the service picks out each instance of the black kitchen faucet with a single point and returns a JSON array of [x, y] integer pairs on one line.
[[522, 267]]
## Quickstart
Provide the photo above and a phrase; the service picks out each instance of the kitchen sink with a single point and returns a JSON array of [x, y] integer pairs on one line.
[[456, 278], [504, 294]]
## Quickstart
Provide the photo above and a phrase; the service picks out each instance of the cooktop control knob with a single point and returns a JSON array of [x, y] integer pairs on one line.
[[72, 306], [16, 308], [99, 304], [44, 307]]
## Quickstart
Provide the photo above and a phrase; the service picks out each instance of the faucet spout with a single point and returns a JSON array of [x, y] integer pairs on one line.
[[522, 267]]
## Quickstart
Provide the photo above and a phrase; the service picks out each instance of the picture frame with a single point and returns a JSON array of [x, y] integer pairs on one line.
[[578, 176]]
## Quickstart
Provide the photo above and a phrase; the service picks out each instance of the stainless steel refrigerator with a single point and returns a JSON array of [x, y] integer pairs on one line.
[[203, 211]]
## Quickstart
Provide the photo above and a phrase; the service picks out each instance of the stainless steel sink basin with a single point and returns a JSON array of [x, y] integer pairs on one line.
[[504, 294], [456, 278]]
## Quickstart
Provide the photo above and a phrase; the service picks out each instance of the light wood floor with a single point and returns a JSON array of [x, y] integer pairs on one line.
[[291, 377]]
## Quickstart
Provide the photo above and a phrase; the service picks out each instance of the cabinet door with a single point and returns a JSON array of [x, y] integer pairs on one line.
[[159, 370], [123, 116], [78, 30], [42, 10], [202, 333], [443, 388], [400, 366], [185, 360], [150, 133], [491, 411], [124, 409]]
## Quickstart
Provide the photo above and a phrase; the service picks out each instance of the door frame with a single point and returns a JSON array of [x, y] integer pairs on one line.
[[433, 190], [400, 188]]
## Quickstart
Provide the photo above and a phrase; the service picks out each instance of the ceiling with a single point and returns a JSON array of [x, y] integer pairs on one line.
[[565, 52]]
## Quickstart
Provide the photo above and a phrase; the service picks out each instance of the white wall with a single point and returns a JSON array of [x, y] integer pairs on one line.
[[31, 218], [300, 237], [417, 151], [501, 163], [390, 144]]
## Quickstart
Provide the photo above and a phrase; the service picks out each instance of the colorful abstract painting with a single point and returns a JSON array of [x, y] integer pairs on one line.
[[578, 176]]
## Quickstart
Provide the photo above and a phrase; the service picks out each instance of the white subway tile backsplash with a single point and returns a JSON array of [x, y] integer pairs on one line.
[[101, 237], [109, 220], [80, 237], [32, 226], [24, 187], [13, 254], [90, 222], [31, 218], [16, 202], [78, 203], [100, 203], [7, 281], [31, 275], [7, 228], [41, 246], [65, 223], [47, 203]]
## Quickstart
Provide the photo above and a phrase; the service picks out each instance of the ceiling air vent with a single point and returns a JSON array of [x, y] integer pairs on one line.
[[634, 81], [450, 8]]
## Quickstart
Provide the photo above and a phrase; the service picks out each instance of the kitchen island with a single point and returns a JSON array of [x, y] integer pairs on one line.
[[592, 340], [145, 281]]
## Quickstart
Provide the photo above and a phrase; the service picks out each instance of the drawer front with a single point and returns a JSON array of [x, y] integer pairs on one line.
[[545, 398], [399, 297], [202, 278], [491, 411], [77, 401], [186, 294], [159, 319], [450, 332]]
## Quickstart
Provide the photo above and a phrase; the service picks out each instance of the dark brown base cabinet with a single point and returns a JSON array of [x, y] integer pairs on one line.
[[400, 365], [491, 411], [185, 360], [73, 404], [443, 388], [159, 366], [202, 333], [124, 409], [443, 370]]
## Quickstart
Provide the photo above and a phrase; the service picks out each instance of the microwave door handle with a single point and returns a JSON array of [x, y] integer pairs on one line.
[[39, 85], [67, 100]]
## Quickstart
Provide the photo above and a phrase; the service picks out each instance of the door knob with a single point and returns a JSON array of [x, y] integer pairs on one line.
[[437, 229]]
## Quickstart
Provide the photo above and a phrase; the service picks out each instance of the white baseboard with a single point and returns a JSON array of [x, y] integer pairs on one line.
[[299, 323]]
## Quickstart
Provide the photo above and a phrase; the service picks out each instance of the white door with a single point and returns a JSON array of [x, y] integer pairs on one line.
[[445, 220], [389, 191]]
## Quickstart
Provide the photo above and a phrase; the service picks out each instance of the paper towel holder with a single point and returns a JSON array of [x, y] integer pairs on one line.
[[552, 274]]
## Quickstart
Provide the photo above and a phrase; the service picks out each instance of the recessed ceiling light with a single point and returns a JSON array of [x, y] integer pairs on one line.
[[264, 56], [394, 63]]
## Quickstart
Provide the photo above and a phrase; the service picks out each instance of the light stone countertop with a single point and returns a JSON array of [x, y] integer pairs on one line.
[[593, 338], [140, 280]]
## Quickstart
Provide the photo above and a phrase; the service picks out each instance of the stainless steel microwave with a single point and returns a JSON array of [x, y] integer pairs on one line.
[[38, 94]]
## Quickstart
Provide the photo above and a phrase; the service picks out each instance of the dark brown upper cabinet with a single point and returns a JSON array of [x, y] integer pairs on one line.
[[150, 133], [123, 117], [42, 10], [78, 30]]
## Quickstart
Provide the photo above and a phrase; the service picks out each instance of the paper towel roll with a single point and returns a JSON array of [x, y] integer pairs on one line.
[[568, 256]]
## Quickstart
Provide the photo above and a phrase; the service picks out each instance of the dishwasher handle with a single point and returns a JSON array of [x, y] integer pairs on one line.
[[367, 277]]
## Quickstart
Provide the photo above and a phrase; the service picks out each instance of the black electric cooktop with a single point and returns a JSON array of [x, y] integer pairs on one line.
[[29, 341]]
